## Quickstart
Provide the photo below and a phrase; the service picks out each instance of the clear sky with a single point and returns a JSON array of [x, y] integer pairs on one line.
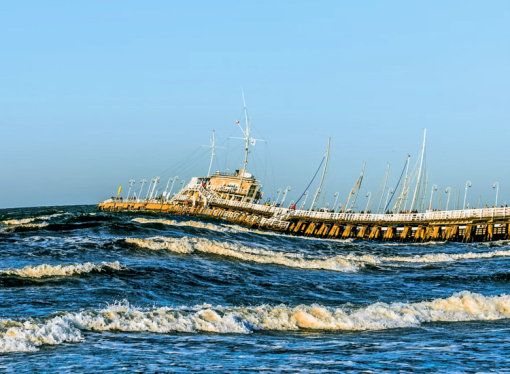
[[93, 94]]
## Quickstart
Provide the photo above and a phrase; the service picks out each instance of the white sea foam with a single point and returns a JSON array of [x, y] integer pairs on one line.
[[189, 245], [464, 306], [344, 263], [66, 327], [45, 270], [25, 221], [446, 257], [27, 336], [198, 224]]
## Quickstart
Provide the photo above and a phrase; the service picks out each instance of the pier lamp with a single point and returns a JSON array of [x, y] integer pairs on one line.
[[156, 181], [468, 185], [176, 178], [291, 203], [149, 190], [390, 191], [285, 195], [131, 183], [304, 202], [369, 195], [279, 191], [336, 196], [448, 191], [434, 188], [496, 186], [143, 181], [182, 183]]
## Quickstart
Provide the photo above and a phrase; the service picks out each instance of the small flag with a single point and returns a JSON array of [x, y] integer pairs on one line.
[[253, 141], [120, 189]]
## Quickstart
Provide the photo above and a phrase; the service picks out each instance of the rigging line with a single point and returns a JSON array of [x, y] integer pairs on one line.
[[377, 193], [181, 161], [188, 162], [306, 189], [191, 163], [389, 202]]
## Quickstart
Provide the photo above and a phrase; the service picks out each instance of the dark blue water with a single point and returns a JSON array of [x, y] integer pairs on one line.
[[84, 291]]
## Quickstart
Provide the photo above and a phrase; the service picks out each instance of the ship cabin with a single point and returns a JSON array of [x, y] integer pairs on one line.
[[227, 186]]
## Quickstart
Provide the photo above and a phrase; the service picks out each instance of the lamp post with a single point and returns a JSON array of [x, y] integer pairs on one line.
[[291, 203], [448, 191], [143, 181], [434, 188], [176, 178], [182, 183], [285, 195], [468, 184], [390, 191], [369, 195], [279, 191], [336, 196], [131, 183], [304, 202], [156, 181], [496, 186], [149, 190]]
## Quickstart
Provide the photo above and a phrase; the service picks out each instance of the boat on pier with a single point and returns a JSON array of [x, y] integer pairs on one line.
[[238, 197]]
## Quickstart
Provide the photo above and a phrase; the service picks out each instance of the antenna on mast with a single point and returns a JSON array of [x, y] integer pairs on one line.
[[246, 133], [213, 147]]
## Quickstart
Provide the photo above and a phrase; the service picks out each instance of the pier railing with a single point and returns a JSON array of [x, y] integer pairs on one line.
[[285, 213]]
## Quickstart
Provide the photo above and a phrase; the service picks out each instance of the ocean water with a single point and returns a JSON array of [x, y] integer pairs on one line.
[[89, 291]]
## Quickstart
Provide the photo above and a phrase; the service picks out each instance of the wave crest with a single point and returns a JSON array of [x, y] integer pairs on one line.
[[188, 245], [197, 224], [45, 270], [27, 336]]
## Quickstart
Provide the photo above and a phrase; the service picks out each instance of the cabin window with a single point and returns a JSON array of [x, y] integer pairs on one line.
[[251, 192]]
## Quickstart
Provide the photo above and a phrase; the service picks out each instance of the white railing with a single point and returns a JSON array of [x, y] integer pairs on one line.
[[284, 213]]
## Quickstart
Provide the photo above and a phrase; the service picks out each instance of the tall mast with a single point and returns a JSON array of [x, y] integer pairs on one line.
[[418, 180], [359, 186], [322, 179], [213, 147], [247, 137], [384, 189]]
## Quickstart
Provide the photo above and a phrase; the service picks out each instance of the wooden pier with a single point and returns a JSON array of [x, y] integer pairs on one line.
[[472, 225]]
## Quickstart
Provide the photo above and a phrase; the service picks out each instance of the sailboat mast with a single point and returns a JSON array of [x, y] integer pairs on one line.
[[384, 189], [213, 145], [322, 179], [418, 180], [359, 186], [402, 196], [247, 135]]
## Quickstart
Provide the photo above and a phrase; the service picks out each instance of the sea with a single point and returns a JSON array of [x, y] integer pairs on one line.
[[85, 291]]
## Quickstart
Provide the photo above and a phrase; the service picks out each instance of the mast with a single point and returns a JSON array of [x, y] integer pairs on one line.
[[322, 179], [359, 186], [401, 198], [418, 180], [213, 147], [384, 189], [247, 137]]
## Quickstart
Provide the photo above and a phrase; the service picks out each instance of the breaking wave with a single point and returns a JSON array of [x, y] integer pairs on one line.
[[198, 224], [447, 257], [27, 336], [45, 270], [464, 306], [188, 245], [343, 263], [25, 221]]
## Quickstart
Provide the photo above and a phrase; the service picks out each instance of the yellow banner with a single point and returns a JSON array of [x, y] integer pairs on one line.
[[120, 189]]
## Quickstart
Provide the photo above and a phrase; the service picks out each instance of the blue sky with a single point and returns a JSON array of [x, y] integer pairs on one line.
[[97, 93]]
